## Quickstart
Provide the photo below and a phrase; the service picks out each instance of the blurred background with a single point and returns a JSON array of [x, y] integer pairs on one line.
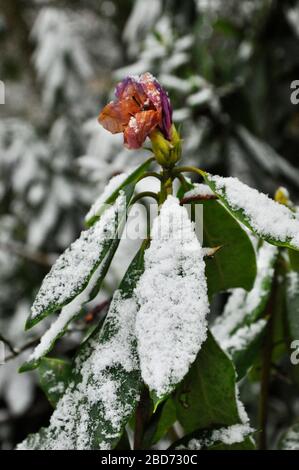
[[228, 66]]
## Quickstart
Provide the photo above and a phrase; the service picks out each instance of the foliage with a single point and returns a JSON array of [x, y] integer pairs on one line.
[[228, 68]]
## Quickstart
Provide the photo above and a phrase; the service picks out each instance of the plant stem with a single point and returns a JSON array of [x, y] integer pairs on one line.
[[145, 194], [266, 367], [142, 417], [189, 169]]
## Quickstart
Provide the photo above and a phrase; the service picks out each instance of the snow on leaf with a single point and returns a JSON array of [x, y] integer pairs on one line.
[[106, 384], [268, 219], [72, 271], [240, 324], [234, 434], [172, 295]]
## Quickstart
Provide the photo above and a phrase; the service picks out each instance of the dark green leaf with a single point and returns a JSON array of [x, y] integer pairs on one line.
[[54, 375], [235, 264], [207, 395], [161, 422]]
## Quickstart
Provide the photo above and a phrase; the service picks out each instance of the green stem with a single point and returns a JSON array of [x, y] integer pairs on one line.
[[166, 185], [148, 174], [144, 194], [189, 169]]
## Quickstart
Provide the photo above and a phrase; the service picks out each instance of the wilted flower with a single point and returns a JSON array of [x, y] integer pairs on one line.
[[142, 107]]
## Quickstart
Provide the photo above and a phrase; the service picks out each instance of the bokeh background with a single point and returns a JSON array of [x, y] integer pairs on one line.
[[228, 66]]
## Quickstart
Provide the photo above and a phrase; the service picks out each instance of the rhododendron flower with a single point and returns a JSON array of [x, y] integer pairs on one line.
[[142, 106]]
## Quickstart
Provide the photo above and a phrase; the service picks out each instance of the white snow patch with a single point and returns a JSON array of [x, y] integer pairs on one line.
[[172, 294], [199, 190]]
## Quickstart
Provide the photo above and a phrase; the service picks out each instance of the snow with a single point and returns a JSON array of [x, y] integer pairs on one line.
[[243, 336], [293, 284], [103, 369], [199, 190], [54, 34], [233, 434], [73, 268], [172, 295], [112, 186], [242, 304], [267, 217], [290, 440], [66, 315]]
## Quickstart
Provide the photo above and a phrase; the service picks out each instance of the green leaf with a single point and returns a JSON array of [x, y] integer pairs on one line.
[[268, 219], [71, 273], [54, 376], [130, 180], [240, 328], [106, 382], [161, 422], [235, 264], [235, 437], [290, 439], [207, 395]]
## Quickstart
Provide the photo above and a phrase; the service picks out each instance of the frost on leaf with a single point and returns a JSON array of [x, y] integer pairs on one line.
[[172, 296], [267, 218], [97, 405], [73, 269]]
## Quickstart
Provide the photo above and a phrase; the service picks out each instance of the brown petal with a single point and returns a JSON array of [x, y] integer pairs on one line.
[[116, 115], [140, 127]]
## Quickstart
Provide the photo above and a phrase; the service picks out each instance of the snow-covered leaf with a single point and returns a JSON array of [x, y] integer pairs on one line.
[[239, 330], [234, 265], [73, 270], [270, 220], [234, 437], [207, 396], [106, 382], [54, 375], [172, 295], [112, 190]]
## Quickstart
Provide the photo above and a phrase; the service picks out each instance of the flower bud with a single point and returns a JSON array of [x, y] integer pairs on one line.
[[282, 196], [167, 152]]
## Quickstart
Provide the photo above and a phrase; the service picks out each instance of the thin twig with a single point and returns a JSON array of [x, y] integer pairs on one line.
[[8, 344], [22, 349]]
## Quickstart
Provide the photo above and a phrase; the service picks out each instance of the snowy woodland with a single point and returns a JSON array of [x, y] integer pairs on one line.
[[185, 337]]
